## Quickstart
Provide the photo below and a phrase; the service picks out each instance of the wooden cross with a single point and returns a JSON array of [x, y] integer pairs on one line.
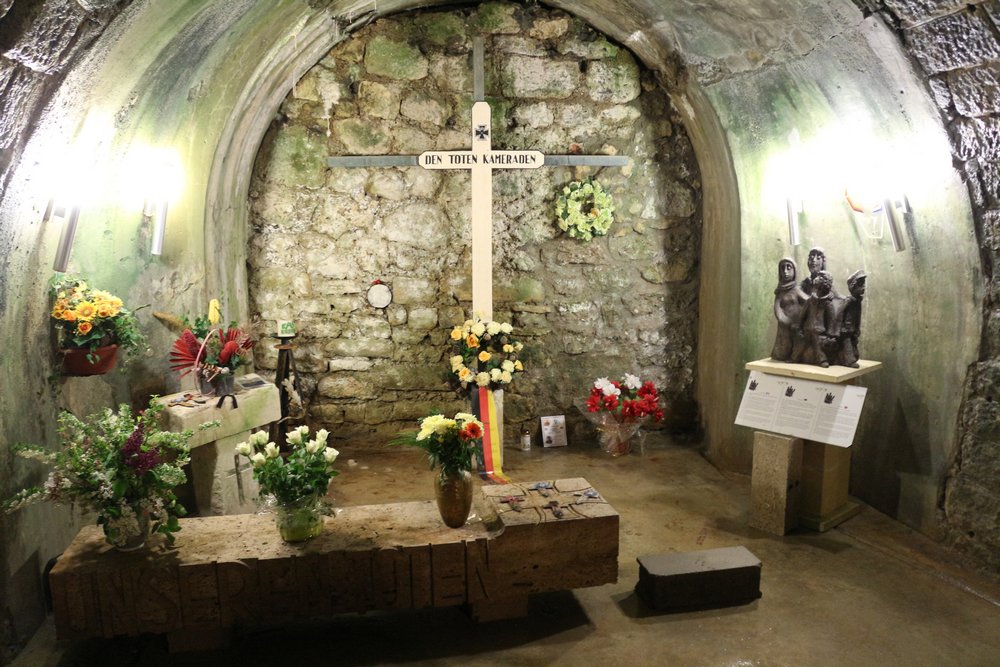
[[481, 160]]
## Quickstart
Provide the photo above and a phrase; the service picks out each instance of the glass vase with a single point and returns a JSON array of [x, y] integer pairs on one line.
[[124, 535], [454, 497], [617, 437], [300, 520]]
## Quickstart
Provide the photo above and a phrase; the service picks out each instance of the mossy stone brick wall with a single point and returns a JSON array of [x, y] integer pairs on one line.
[[623, 303]]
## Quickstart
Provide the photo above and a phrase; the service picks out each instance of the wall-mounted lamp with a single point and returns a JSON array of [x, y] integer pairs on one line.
[[157, 213], [67, 235], [881, 216], [889, 207], [793, 221], [158, 174]]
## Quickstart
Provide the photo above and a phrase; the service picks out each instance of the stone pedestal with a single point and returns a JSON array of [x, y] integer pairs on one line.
[[826, 474], [821, 478], [775, 482], [222, 482]]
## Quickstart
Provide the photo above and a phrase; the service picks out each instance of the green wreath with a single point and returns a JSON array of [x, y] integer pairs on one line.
[[585, 210]]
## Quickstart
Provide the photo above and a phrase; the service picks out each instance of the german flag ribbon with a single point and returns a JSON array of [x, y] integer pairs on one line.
[[490, 468]]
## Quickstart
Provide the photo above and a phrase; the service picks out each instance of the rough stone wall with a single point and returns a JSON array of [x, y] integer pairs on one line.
[[958, 46], [624, 303]]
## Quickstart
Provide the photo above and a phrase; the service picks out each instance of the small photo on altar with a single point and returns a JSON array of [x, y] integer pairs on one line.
[[554, 431]]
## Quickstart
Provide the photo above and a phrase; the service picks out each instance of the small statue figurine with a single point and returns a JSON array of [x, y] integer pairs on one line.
[[819, 324], [816, 263], [788, 304], [850, 320]]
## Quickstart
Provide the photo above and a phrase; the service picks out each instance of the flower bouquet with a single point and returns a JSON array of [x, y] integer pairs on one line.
[[620, 408], [92, 325], [211, 351], [485, 354], [297, 481], [119, 465], [450, 445]]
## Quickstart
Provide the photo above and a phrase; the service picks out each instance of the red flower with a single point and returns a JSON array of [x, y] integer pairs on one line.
[[472, 431], [227, 352]]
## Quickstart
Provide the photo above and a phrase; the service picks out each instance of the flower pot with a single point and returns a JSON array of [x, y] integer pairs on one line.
[[76, 363], [299, 521], [454, 497]]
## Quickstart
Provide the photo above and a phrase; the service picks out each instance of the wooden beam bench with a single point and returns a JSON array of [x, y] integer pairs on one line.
[[235, 571]]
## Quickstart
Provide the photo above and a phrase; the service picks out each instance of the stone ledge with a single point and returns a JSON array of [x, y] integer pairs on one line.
[[258, 405]]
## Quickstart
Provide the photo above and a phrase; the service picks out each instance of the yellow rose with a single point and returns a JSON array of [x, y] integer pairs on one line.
[[456, 333], [518, 366], [484, 356], [84, 328], [472, 341]]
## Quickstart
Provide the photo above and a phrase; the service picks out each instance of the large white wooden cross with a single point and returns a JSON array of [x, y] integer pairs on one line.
[[480, 160]]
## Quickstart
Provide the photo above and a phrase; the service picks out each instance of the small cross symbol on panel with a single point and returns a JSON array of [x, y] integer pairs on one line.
[[482, 132]]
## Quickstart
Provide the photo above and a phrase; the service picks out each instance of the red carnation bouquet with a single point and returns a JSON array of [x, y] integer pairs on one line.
[[619, 408]]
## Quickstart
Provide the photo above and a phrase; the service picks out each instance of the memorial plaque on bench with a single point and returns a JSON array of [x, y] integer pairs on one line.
[[235, 570]]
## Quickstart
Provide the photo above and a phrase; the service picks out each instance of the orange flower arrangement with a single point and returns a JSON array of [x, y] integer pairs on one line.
[[90, 318]]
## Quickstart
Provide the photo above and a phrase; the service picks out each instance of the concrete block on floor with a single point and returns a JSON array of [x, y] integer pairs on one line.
[[699, 579]]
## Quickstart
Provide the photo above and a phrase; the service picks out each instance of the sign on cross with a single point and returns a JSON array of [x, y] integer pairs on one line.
[[480, 160]]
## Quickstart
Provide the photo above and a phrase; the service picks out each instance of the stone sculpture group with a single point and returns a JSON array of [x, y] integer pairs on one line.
[[815, 324]]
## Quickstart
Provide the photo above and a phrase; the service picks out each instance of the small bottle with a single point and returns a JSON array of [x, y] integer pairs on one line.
[[525, 440]]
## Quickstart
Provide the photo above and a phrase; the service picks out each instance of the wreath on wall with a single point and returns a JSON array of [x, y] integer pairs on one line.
[[585, 210]]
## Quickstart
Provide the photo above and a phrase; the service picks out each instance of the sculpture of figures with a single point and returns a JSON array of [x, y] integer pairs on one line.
[[850, 320], [816, 263], [788, 304], [819, 324]]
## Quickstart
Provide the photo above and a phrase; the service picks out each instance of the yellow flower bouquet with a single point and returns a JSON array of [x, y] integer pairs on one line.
[[486, 354], [90, 318]]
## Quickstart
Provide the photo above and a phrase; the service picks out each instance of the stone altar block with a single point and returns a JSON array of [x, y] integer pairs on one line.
[[223, 483], [236, 571]]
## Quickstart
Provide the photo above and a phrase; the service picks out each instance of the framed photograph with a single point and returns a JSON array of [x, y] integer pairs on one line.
[[554, 431]]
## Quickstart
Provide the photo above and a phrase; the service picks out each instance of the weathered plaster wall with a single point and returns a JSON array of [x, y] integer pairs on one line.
[[623, 303], [957, 47]]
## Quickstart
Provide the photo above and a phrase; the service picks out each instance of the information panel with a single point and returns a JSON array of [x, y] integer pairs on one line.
[[802, 408]]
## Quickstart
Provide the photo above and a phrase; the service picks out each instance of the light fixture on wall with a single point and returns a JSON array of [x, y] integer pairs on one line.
[[156, 212], [793, 202], [66, 236], [880, 216], [160, 177]]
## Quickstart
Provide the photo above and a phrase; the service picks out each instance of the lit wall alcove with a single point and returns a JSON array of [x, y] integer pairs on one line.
[[625, 302]]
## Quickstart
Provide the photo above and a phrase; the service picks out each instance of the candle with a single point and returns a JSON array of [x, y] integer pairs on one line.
[[286, 329]]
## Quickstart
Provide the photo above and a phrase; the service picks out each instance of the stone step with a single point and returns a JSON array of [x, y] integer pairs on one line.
[[699, 579]]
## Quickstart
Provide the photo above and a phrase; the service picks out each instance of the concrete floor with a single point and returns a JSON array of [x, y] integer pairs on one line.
[[869, 592]]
